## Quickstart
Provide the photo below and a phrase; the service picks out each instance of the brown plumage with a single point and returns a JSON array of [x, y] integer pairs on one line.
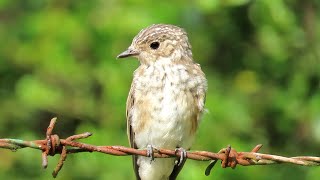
[[166, 98]]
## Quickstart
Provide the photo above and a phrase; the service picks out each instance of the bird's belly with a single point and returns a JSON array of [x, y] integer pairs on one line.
[[168, 117]]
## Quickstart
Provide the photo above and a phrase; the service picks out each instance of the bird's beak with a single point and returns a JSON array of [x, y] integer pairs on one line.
[[127, 53]]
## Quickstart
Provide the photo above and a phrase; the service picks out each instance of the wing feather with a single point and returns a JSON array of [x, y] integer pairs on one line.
[[200, 97], [130, 133]]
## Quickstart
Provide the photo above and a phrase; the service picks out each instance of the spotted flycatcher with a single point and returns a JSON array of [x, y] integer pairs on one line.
[[166, 98]]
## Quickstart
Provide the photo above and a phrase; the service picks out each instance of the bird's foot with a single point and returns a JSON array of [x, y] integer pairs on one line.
[[183, 155], [150, 152]]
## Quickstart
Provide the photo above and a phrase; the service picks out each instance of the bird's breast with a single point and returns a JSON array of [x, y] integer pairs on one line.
[[164, 114]]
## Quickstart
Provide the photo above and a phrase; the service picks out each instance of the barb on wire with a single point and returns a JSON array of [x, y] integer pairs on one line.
[[229, 157]]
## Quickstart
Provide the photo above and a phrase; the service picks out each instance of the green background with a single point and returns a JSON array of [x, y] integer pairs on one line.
[[261, 58]]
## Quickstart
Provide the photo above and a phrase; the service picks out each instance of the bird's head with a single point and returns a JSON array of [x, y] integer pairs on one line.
[[159, 41]]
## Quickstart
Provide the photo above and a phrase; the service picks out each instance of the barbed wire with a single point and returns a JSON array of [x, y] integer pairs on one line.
[[229, 157]]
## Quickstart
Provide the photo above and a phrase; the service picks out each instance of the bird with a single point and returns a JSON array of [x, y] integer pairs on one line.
[[166, 99]]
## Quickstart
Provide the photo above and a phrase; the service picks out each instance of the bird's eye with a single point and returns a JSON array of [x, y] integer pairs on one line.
[[154, 45]]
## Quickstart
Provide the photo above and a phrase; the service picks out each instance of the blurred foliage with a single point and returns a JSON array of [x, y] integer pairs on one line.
[[261, 58]]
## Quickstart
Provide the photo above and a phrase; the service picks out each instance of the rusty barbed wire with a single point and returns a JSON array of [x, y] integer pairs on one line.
[[229, 157]]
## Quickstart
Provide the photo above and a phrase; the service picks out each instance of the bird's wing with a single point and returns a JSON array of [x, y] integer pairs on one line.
[[130, 133], [130, 104], [201, 90], [200, 96]]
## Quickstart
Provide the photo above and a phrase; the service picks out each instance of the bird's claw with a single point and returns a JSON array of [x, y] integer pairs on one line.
[[150, 153], [183, 155]]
